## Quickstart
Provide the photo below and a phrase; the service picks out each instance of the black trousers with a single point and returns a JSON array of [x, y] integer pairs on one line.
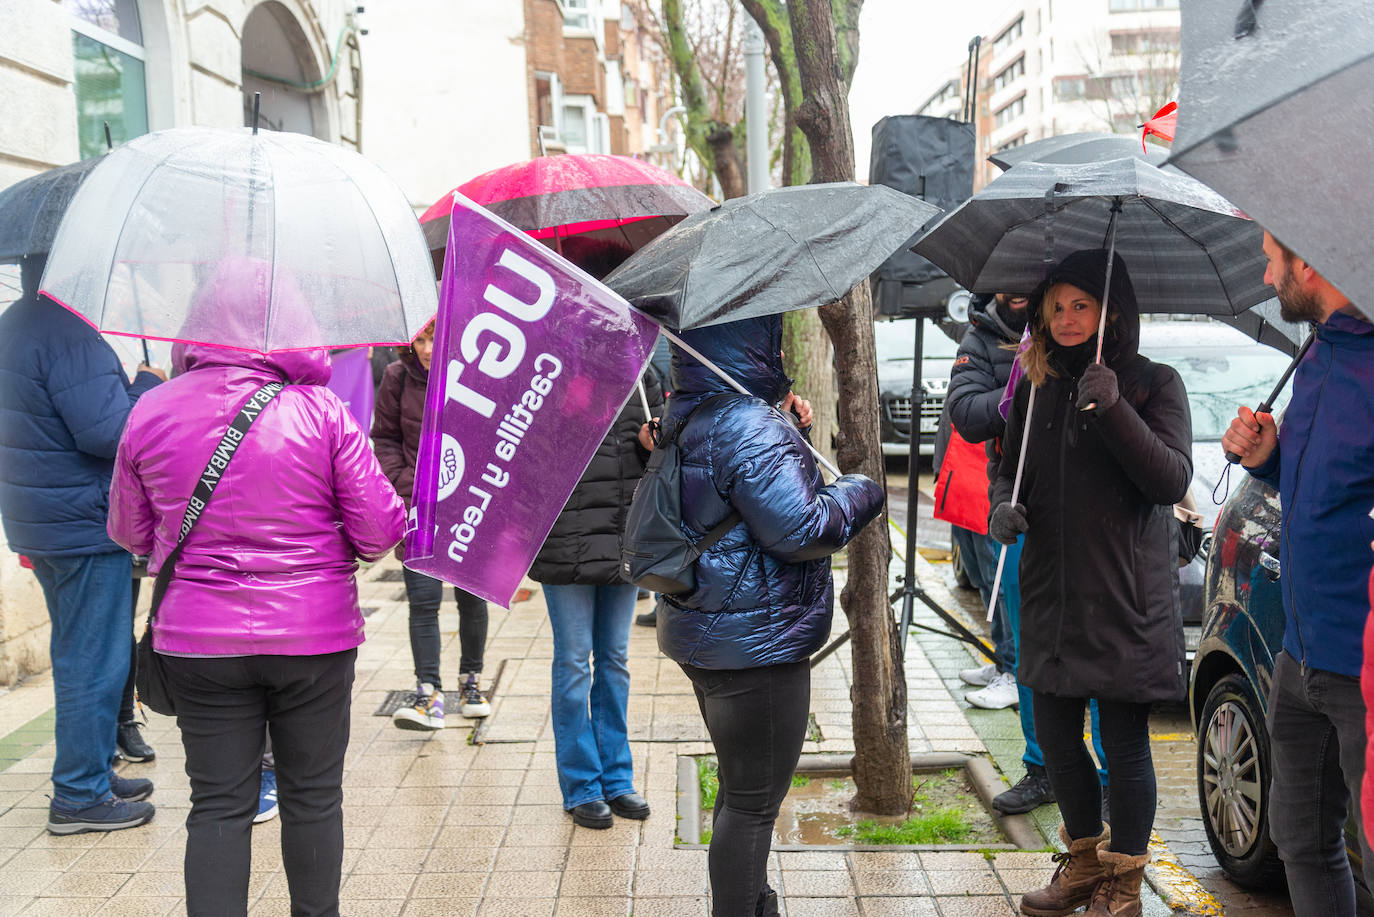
[[425, 594], [1125, 729], [223, 707], [757, 720]]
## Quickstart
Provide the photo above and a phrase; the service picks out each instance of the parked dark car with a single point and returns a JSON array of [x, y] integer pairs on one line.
[[1221, 368], [1228, 693], [896, 346]]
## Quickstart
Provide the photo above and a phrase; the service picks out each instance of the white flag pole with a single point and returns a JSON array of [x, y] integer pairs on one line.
[[1015, 497]]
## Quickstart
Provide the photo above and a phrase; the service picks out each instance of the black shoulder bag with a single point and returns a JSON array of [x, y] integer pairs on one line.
[[150, 678]]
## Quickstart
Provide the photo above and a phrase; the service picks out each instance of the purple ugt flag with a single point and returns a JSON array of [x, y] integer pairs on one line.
[[533, 360]]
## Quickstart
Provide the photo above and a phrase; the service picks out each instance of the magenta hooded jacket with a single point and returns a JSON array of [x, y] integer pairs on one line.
[[268, 569]]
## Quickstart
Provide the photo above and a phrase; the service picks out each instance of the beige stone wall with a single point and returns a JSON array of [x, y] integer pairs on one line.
[[24, 628]]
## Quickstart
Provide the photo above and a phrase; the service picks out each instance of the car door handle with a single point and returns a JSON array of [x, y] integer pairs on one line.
[[1270, 563]]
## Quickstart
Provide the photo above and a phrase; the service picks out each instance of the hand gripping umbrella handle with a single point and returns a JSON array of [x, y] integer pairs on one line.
[[1015, 498], [1267, 404], [824, 462]]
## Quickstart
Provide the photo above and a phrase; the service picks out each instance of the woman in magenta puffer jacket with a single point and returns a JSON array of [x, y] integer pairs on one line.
[[260, 624]]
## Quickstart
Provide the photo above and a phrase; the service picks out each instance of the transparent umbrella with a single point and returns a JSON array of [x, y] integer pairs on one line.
[[332, 255]]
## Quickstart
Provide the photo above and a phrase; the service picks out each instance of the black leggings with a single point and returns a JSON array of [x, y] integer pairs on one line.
[[757, 720], [426, 594], [1126, 743]]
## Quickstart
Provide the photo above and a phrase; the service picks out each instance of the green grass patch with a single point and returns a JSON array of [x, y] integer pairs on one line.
[[943, 826], [705, 836], [799, 780], [838, 785], [708, 778]]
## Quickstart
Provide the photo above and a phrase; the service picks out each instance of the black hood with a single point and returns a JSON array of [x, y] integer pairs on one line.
[[1087, 270]]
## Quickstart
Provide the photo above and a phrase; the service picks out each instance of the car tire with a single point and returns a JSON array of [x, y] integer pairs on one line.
[[1233, 775], [960, 574]]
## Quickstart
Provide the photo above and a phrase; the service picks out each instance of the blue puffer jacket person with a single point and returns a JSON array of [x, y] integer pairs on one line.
[[763, 600], [763, 594]]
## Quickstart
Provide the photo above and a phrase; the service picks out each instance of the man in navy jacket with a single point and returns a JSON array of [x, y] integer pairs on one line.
[[1322, 462], [63, 402]]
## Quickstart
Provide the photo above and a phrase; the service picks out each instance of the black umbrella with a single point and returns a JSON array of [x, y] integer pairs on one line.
[[771, 252], [31, 210], [1275, 103], [1088, 146], [1189, 251], [1264, 324]]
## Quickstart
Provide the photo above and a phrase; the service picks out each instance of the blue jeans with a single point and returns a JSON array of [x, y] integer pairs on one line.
[[591, 690], [1317, 744], [88, 598]]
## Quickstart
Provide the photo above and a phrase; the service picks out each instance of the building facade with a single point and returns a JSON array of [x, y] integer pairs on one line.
[[1052, 67], [68, 68]]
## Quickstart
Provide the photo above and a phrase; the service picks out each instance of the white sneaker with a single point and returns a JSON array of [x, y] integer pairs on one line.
[[1000, 693], [983, 675], [427, 713], [475, 703]]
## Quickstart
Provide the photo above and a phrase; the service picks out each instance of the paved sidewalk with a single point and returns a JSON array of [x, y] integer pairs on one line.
[[437, 825]]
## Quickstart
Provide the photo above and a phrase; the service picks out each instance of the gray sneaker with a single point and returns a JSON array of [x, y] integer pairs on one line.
[[110, 814]]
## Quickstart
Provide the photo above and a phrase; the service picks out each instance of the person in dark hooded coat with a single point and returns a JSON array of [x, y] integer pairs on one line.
[[763, 599], [1107, 457]]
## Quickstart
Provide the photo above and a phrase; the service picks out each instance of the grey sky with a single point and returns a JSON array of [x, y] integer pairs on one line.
[[905, 48]]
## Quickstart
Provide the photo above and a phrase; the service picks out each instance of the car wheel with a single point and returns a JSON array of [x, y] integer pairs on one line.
[[1233, 774], [960, 574]]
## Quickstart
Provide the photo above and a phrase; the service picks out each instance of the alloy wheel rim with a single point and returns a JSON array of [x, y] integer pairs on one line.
[[1232, 788]]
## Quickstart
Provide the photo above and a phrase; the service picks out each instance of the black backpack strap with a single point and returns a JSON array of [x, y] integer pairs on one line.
[[209, 478]]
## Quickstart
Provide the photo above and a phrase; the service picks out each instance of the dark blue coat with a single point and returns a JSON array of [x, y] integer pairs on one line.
[[1324, 471], [764, 594], [63, 402]]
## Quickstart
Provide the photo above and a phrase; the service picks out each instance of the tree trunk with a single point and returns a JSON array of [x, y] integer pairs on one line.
[[725, 154], [808, 361], [882, 761]]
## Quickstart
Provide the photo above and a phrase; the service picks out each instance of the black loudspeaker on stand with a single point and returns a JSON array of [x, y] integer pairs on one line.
[[933, 159]]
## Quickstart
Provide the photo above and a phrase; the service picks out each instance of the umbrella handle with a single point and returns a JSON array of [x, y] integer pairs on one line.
[[1015, 496], [1267, 404], [644, 401], [824, 462], [1106, 291]]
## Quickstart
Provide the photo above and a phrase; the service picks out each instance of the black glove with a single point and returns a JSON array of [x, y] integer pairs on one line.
[[1097, 388], [1008, 520]]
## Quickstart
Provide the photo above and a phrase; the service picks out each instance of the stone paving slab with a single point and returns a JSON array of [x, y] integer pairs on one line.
[[437, 825]]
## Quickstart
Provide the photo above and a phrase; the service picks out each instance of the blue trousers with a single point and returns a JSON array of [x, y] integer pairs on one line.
[[591, 690], [88, 598]]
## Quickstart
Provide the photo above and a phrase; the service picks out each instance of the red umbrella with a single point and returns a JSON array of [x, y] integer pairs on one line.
[[1162, 124], [553, 197]]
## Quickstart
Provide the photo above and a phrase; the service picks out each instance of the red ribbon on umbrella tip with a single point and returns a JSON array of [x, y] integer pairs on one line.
[[1162, 124]]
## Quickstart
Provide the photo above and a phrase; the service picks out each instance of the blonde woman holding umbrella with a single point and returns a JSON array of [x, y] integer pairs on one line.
[[1107, 456]]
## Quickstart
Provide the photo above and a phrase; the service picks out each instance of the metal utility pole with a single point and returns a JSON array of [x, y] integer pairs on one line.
[[755, 107]]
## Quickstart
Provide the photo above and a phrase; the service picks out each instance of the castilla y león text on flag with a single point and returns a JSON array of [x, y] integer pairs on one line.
[[533, 360]]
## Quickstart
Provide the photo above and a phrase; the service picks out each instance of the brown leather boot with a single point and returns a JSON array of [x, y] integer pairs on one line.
[[1118, 895], [1078, 873]]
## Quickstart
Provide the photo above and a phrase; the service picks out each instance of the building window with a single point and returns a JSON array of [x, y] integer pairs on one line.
[[1010, 112], [577, 15], [1070, 88], [1129, 6], [110, 83], [1004, 41], [584, 129], [1145, 42], [1010, 74], [1013, 142]]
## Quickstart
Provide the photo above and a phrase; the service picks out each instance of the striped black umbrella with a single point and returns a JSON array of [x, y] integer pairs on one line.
[[1189, 251]]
